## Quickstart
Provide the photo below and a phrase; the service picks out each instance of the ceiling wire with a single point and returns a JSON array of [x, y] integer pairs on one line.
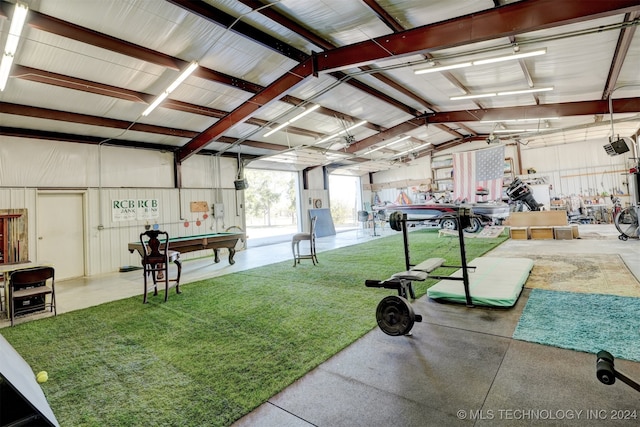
[[611, 104]]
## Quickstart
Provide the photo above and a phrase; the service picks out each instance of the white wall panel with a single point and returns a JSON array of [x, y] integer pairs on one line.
[[209, 172], [418, 169], [33, 163], [582, 168], [109, 243], [30, 163], [122, 167]]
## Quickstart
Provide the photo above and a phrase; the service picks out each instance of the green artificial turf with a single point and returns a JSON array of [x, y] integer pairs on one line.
[[222, 347]]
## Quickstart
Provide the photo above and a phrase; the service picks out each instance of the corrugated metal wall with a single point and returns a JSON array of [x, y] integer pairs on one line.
[[106, 174], [583, 169], [112, 173]]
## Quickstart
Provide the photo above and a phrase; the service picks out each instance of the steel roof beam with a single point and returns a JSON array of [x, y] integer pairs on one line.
[[577, 108], [619, 55], [386, 135], [49, 114], [396, 27], [270, 93], [225, 20], [61, 80], [504, 21], [219, 17]]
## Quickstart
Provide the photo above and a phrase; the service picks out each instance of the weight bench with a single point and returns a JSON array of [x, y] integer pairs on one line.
[[394, 314], [402, 281]]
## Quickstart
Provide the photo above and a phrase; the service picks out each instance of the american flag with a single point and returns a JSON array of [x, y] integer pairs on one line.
[[475, 169]]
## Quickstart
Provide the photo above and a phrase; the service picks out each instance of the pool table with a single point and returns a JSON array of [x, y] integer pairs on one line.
[[214, 241]]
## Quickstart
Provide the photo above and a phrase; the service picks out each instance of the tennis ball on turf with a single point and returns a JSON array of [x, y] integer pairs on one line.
[[42, 377]]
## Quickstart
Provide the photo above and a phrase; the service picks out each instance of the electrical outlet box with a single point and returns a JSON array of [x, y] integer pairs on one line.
[[218, 210]]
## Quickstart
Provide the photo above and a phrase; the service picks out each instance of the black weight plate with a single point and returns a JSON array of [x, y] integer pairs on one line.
[[605, 372], [605, 355], [395, 315], [395, 221]]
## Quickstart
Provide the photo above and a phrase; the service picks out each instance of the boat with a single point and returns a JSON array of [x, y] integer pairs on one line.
[[444, 214]]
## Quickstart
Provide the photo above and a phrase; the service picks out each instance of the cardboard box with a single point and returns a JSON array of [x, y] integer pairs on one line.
[[537, 218], [575, 231], [519, 233], [542, 232], [563, 233]]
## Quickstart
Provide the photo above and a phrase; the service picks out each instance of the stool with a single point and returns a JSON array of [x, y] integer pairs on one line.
[[311, 237]]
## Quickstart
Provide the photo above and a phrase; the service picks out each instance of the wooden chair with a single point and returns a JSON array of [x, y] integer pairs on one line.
[[311, 237], [156, 261], [28, 290]]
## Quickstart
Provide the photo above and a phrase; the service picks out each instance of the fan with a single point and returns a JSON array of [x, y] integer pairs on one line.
[[627, 223]]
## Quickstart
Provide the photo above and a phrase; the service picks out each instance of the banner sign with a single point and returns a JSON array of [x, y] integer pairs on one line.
[[132, 209]]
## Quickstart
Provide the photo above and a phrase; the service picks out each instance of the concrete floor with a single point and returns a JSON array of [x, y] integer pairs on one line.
[[460, 366]]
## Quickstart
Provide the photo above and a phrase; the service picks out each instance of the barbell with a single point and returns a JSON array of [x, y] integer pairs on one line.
[[463, 215]]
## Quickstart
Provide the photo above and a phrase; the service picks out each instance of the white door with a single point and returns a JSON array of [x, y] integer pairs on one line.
[[61, 233]]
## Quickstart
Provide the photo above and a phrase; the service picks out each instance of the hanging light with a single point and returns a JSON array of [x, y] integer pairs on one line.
[[510, 57], [186, 73], [363, 122], [288, 122]]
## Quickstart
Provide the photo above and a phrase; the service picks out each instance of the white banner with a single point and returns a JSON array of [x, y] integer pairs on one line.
[[132, 209]]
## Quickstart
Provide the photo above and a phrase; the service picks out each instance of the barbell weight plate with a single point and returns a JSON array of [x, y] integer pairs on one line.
[[605, 355], [395, 221], [464, 218], [395, 316], [605, 372]]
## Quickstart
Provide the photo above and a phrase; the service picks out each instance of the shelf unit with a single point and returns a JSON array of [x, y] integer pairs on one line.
[[442, 172]]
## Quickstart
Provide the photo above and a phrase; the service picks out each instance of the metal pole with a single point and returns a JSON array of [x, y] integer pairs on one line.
[[405, 236], [463, 256]]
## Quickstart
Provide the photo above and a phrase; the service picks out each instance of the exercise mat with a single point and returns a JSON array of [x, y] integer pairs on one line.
[[494, 282]]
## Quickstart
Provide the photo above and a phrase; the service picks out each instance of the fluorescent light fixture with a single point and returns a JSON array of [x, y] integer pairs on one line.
[[276, 129], [532, 90], [389, 144], [288, 122], [305, 112], [17, 23], [478, 95], [186, 73], [515, 130], [519, 120], [509, 92], [155, 103], [412, 150], [5, 67], [341, 132], [442, 68], [510, 57]]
